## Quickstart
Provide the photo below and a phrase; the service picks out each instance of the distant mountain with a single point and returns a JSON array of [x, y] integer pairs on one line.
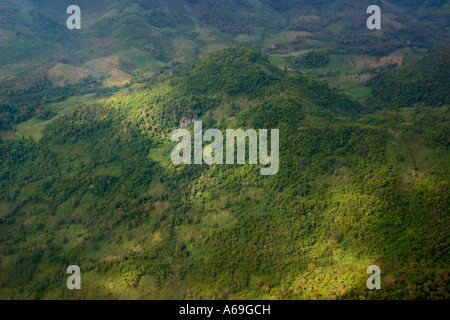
[[127, 42], [150, 35]]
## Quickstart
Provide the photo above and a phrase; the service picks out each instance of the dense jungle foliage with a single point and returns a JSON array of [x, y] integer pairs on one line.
[[422, 82], [355, 188]]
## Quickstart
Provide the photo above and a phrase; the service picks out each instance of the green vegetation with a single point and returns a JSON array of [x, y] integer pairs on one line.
[[312, 59], [150, 36], [423, 82], [356, 187], [18, 105]]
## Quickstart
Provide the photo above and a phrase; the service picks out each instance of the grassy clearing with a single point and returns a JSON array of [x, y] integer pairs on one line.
[[63, 74], [156, 155], [361, 92], [30, 129]]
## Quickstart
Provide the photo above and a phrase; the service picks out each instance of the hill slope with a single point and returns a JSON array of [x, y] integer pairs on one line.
[[425, 81], [99, 190]]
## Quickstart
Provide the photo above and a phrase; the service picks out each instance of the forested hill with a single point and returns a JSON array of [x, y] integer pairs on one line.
[[354, 189], [425, 81], [126, 43]]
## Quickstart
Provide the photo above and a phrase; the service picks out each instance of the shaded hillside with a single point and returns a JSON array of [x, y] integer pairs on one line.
[[425, 81]]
